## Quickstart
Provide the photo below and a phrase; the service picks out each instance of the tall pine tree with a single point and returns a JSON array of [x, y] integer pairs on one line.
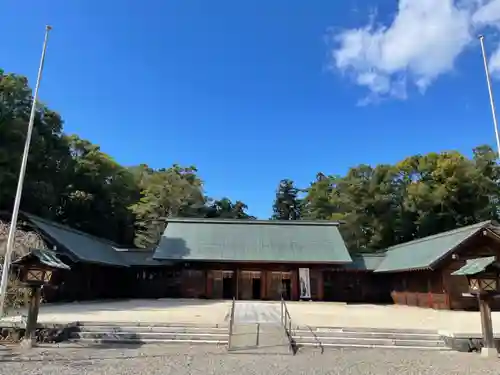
[[287, 205]]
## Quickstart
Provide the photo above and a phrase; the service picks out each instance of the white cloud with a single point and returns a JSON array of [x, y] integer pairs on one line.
[[494, 63], [422, 42], [487, 14]]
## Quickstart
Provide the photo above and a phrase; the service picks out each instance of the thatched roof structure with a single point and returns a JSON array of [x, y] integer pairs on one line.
[[24, 240]]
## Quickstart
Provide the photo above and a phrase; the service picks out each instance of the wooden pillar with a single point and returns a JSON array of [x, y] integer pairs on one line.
[[263, 284], [237, 275], [262, 276], [208, 284], [29, 337], [445, 291], [321, 286], [486, 325], [295, 285]]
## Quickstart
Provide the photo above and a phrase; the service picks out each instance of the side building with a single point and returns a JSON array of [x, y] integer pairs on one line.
[[421, 270]]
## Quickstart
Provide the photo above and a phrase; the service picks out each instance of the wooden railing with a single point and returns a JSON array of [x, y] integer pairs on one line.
[[231, 323]]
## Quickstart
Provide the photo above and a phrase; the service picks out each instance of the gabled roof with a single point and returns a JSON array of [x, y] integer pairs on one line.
[[365, 261], [252, 240], [46, 257], [425, 252], [473, 266], [140, 257], [84, 247]]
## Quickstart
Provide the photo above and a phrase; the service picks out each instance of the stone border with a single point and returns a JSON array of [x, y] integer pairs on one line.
[[13, 332], [465, 342]]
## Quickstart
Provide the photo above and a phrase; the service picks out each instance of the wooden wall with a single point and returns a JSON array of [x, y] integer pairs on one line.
[[419, 288], [206, 280], [350, 286], [88, 282]]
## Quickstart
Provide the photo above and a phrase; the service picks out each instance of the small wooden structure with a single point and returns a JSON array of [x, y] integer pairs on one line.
[[34, 270], [483, 277]]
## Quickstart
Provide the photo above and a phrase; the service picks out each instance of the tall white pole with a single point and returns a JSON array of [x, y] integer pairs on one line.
[[490, 91], [22, 173]]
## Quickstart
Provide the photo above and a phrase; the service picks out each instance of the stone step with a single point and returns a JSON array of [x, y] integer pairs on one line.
[[335, 345], [376, 335], [326, 329], [368, 338], [102, 335], [150, 324], [124, 341], [259, 339], [158, 329], [368, 341]]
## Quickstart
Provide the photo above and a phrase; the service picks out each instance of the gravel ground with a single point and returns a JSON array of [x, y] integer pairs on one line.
[[202, 360]]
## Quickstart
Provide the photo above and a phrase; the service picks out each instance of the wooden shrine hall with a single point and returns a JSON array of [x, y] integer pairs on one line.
[[253, 259], [257, 259]]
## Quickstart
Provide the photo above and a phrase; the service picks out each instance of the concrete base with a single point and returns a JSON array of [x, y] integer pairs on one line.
[[489, 352], [27, 343]]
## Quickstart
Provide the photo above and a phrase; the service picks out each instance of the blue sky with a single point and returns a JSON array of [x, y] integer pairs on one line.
[[255, 91]]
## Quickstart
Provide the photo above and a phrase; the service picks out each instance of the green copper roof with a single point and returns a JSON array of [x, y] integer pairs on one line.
[[365, 261], [252, 240], [473, 266], [81, 245], [424, 252], [46, 257], [135, 257]]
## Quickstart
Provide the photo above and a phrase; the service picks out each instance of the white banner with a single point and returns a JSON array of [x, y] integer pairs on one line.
[[305, 283]]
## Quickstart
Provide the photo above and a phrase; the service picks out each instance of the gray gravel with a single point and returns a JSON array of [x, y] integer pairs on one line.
[[202, 360]]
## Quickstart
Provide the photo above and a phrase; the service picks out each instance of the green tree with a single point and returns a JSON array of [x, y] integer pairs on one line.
[[419, 196], [176, 191], [226, 209], [287, 205]]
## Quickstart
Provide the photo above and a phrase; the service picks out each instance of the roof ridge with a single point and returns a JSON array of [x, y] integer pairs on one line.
[[367, 255], [442, 234], [132, 250], [69, 229], [252, 222]]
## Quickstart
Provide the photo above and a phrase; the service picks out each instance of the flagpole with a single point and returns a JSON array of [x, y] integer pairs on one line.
[[22, 173], [490, 92]]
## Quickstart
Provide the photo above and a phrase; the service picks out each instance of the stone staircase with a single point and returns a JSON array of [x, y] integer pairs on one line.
[[134, 333], [330, 337], [256, 328], [257, 338]]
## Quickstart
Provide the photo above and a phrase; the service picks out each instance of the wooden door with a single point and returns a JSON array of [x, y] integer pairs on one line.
[[245, 285]]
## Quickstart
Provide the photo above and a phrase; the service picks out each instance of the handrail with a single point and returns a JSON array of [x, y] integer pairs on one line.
[[231, 322], [286, 321]]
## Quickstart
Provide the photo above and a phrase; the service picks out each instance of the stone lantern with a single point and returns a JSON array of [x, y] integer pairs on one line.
[[34, 270], [483, 278]]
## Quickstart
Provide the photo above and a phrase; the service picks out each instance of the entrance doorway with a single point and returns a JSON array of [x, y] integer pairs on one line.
[[255, 288], [286, 289], [227, 287]]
